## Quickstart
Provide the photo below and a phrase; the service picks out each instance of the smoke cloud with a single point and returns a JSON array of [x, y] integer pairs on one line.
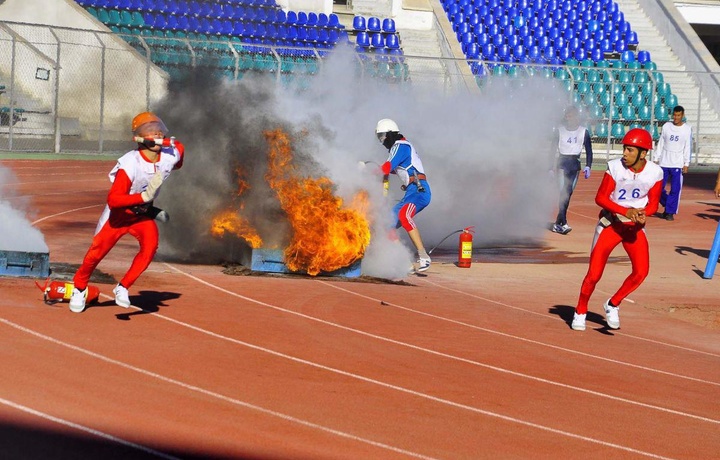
[[486, 157], [16, 231]]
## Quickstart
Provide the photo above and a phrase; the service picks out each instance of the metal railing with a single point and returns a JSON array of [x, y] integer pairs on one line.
[[69, 90]]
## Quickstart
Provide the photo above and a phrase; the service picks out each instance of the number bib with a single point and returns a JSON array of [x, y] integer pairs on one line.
[[631, 188]]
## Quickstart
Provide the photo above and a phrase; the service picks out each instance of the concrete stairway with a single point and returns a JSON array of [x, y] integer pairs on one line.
[[699, 114]]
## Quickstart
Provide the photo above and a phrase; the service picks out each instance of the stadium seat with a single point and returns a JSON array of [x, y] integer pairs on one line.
[[373, 24], [388, 26], [618, 130], [359, 23]]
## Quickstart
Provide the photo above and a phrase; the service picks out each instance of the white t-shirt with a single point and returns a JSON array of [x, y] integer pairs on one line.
[[674, 146]]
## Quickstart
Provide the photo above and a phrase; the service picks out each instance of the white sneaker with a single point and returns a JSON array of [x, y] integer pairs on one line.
[[578, 322], [565, 229], [612, 315], [77, 300], [423, 264], [121, 296]]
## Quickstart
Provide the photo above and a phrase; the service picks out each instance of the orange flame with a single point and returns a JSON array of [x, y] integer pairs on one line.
[[231, 221], [327, 236]]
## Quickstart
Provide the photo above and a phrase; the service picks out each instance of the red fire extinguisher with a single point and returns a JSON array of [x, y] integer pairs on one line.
[[465, 247], [59, 291]]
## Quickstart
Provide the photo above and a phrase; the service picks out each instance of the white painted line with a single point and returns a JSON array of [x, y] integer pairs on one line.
[[97, 433], [545, 315], [402, 389], [448, 356], [66, 212], [203, 391]]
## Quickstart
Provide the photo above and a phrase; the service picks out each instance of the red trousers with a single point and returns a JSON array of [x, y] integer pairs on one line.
[[145, 231], [635, 243]]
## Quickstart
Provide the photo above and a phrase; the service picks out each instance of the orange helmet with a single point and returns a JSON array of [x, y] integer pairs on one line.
[[638, 137], [145, 118]]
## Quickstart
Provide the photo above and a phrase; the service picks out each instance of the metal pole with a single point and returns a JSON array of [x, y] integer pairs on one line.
[[609, 123], [696, 136], [56, 105], [101, 135], [12, 96]]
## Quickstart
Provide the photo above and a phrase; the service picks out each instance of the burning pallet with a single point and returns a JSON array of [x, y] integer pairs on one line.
[[273, 261]]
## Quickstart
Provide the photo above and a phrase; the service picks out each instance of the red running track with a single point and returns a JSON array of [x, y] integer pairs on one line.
[[463, 363]]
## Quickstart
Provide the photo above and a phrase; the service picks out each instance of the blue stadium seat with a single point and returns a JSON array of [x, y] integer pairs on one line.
[[373, 24], [392, 42], [388, 26], [363, 39], [359, 23]]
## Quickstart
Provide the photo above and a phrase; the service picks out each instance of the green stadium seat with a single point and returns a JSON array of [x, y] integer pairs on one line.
[[618, 130], [114, 18], [671, 101], [136, 19], [621, 100], [653, 130], [103, 16], [644, 113], [661, 112], [628, 112], [650, 65], [592, 76], [601, 130]]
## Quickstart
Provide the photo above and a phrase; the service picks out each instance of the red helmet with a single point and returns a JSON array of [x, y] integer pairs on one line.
[[638, 137]]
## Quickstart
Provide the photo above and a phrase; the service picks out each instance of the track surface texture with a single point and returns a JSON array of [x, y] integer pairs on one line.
[[459, 364]]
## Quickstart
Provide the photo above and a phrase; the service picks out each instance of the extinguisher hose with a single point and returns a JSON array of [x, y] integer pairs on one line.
[[441, 241]]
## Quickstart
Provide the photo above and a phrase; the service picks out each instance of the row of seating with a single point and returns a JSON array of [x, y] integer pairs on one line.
[[373, 24], [202, 8]]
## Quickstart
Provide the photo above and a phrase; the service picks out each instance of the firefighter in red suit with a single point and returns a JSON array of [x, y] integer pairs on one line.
[[629, 192], [136, 181]]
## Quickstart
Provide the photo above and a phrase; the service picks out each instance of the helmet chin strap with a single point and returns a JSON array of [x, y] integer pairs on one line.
[[636, 160], [390, 139]]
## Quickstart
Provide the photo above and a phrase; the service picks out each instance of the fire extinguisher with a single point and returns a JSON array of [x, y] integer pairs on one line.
[[465, 247], [58, 291]]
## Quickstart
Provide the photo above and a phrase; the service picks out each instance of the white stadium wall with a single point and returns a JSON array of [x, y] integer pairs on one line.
[[37, 26]]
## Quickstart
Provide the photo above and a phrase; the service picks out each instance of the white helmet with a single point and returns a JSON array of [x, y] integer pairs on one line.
[[385, 125]]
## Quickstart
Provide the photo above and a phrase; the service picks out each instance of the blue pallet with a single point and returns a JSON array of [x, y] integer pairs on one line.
[[29, 264], [273, 261]]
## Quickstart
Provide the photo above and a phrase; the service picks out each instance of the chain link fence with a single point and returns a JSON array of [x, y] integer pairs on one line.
[[70, 90]]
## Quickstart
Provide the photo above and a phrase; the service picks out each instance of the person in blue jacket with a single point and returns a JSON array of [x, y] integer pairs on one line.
[[405, 163]]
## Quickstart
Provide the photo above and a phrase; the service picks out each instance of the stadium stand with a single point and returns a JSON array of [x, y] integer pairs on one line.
[[588, 44], [232, 38]]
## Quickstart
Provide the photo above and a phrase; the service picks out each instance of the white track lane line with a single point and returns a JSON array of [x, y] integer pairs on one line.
[[365, 379], [554, 317], [441, 354], [66, 212], [97, 433], [422, 395], [213, 394], [535, 342]]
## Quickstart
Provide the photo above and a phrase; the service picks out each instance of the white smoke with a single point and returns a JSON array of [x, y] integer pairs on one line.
[[16, 231], [486, 155]]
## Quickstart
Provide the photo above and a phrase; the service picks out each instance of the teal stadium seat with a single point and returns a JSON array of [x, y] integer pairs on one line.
[[618, 131], [601, 130]]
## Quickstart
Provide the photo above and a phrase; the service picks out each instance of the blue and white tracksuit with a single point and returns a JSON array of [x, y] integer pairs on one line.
[[673, 154], [405, 163]]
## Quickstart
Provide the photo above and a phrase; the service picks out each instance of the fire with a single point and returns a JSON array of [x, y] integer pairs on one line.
[[327, 236], [231, 221]]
